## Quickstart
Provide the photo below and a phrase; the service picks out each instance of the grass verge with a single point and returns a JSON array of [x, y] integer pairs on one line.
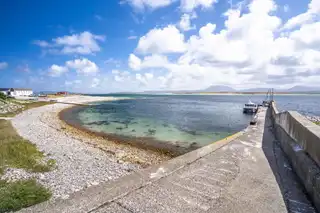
[[17, 195], [317, 122], [26, 106], [16, 152]]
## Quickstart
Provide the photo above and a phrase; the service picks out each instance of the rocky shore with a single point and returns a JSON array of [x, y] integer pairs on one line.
[[82, 159], [6, 106], [315, 119]]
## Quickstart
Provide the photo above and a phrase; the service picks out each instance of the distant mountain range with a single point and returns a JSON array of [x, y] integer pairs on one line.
[[227, 89], [220, 88], [304, 89]]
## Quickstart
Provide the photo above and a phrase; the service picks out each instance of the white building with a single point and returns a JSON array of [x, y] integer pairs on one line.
[[15, 92]]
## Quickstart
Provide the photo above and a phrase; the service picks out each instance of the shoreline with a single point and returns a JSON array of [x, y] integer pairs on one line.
[[146, 143], [81, 161], [103, 141]]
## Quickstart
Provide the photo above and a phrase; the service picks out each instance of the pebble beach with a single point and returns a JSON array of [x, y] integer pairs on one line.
[[82, 160]]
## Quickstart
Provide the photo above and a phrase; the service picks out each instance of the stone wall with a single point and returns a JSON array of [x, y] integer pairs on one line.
[[300, 140]]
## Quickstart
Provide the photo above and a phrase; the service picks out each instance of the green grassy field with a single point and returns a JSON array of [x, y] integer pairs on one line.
[[16, 152]]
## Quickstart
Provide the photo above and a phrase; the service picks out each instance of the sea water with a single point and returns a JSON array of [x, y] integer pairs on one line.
[[200, 119]]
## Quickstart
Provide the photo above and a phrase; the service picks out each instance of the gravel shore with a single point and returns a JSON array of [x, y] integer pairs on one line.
[[81, 160], [314, 118], [6, 106]]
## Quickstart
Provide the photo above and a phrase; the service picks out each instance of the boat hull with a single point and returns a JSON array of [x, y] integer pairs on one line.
[[250, 111]]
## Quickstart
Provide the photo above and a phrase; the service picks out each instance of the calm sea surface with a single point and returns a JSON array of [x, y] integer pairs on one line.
[[181, 118]]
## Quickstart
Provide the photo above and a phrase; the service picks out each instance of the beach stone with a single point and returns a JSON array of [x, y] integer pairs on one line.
[[64, 197], [313, 118], [6, 106]]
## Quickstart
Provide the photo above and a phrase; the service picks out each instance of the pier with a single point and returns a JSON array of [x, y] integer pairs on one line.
[[246, 172]]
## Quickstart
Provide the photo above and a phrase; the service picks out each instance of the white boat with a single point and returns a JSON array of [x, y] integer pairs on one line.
[[250, 107]]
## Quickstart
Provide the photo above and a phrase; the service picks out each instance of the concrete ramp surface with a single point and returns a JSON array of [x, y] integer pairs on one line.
[[248, 173]]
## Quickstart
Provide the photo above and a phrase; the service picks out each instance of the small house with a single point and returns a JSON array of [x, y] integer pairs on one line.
[[62, 93]]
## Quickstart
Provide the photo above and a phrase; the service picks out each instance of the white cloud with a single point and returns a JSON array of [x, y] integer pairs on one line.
[[314, 6], [149, 4], [166, 40], [41, 43], [238, 45], [307, 36], [83, 66], [112, 61], [72, 83], [84, 43], [248, 52], [190, 5], [311, 14], [56, 70], [148, 75], [262, 6], [144, 79], [185, 5], [134, 62], [251, 49], [298, 20], [3, 65], [119, 76], [152, 61], [185, 22]]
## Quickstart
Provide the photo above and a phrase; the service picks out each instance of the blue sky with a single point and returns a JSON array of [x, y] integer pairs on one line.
[[134, 45]]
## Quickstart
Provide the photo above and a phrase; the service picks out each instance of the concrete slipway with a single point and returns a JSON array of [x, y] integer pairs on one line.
[[246, 172]]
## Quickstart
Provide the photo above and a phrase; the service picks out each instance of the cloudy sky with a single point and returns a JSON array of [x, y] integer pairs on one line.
[[135, 45]]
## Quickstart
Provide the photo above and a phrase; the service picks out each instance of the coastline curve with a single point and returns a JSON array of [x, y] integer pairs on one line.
[[169, 148]]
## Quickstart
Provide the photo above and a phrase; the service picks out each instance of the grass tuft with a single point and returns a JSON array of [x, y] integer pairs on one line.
[[20, 194], [17, 152]]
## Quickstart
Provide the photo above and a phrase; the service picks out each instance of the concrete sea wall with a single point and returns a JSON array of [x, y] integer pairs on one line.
[[300, 140]]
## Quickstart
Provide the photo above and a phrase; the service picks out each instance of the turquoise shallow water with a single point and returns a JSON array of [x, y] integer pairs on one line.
[[185, 119]]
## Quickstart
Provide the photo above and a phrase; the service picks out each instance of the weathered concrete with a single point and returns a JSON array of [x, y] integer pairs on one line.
[[300, 140], [304, 132], [245, 173]]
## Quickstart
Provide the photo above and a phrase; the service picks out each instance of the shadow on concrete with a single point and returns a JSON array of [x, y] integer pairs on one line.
[[292, 190]]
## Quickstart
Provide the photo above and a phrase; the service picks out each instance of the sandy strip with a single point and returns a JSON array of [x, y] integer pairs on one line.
[[82, 160]]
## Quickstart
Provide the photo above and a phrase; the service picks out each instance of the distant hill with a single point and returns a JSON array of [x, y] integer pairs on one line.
[[303, 89], [219, 88], [227, 89]]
